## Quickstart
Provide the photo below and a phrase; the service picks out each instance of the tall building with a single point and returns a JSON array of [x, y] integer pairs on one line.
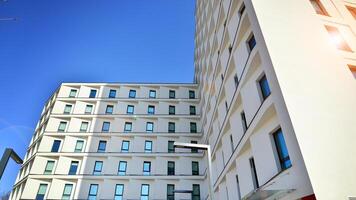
[[273, 95]]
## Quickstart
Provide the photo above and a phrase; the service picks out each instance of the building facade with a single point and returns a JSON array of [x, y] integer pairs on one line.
[[273, 95]]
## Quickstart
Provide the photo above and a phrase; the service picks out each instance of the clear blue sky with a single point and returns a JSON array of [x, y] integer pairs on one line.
[[57, 41]]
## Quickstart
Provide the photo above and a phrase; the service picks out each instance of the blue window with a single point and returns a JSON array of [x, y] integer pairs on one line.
[[130, 109], [148, 146], [93, 191], [145, 191], [92, 94], [128, 127], [132, 94], [251, 42], [98, 167], [265, 90], [106, 127], [149, 127], [151, 110], [282, 150], [73, 168], [112, 94], [102, 146], [122, 168], [125, 146], [119, 192], [109, 109], [41, 192], [152, 94], [55, 146], [67, 191], [146, 168]]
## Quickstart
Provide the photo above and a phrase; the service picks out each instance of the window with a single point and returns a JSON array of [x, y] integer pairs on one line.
[[172, 94], [130, 109], [149, 127], [125, 146], [67, 109], [171, 127], [226, 106], [148, 146], [191, 94], [264, 87], [73, 168], [352, 10], [79, 146], [62, 126], [49, 167], [171, 147], [92, 94], [93, 191], [151, 110], [337, 39], [244, 122], [145, 191], [238, 188], [319, 8], [146, 168], [67, 191], [170, 168], [132, 93], [128, 127], [122, 168], [172, 110], [232, 143], [112, 93], [242, 9], [72, 93], [41, 192], [105, 127], [196, 192], [102, 146], [192, 110], [282, 150], [236, 80], [98, 166], [253, 173], [152, 94], [88, 109], [119, 192], [170, 192], [251, 42], [109, 109], [84, 126], [193, 127], [55, 146], [194, 150], [222, 77], [195, 168]]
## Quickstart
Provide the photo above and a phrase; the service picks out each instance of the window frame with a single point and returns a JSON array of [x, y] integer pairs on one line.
[[171, 144], [119, 195], [171, 110], [73, 163], [122, 146], [49, 171], [144, 196], [60, 128], [59, 142], [192, 110], [262, 83], [42, 197], [149, 124], [86, 109], [284, 162], [126, 125], [121, 172], [172, 94], [84, 127], [146, 172], [109, 109], [76, 144], [170, 126], [97, 171], [193, 127], [130, 110], [194, 191], [170, 195], [195, 172], [191, 94], [132, 94], [75, 91], [100, 149], [105, 124], [70, 106], [112, 91], [151, 109], [251, 46], [171, 168], [152, 92], [93, 93], [92, 195], [66, 196], [148, 150]]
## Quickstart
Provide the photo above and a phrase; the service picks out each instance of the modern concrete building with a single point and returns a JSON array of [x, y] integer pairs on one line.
[[273, 95]]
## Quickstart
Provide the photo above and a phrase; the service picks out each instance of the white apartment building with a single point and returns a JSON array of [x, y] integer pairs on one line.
[[273, 95]]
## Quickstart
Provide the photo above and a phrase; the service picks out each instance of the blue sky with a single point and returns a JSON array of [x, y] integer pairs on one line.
[[84, 41]]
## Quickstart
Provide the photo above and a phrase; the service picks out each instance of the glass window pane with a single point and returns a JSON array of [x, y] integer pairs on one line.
[[132, 94], [84, 126], [112, 94], [106, 126], [73, 93], [92, 94], [149, 127], [56, 145], [109, 109], [79, 146], [148, 146], [88, 109], [152, 94], [125, 146]]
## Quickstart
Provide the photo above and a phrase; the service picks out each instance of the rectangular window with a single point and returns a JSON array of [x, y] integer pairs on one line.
[[191, 94], [170, 168], [172, 94], [242, 9], [195, 168], [318, 7], [232, 144], [49, 167], [93, 191], [67, 109], [92, 94], [152, 94], [254, 173], [84, 126], [41, 192], [171, 127], [112, 94], [193, 127], [98, 167], [172, 110], [145, 191], [222, 77], [67, 191], [192, 110], [244, 122], [73, 168], [148, 146], [119, 192], [130, 109], [105, 127], [282, 150], [146, 168], [62, 126], [251, 42], [122, 168], [88, 109], [55, 146], [128, 127], [72, 93], [109, 109], [196, 192], [149, 127], [170, 192], [125, 146], [151, 110], [194, 150], [101, 146], [337, 39], [238, 188], [236, 80], [171, 147], [132, 94], [79, 146], [264, 87]]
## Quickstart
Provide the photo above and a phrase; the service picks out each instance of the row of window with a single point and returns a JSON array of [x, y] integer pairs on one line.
[[127, 127], [119, 191], [132, 93]]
